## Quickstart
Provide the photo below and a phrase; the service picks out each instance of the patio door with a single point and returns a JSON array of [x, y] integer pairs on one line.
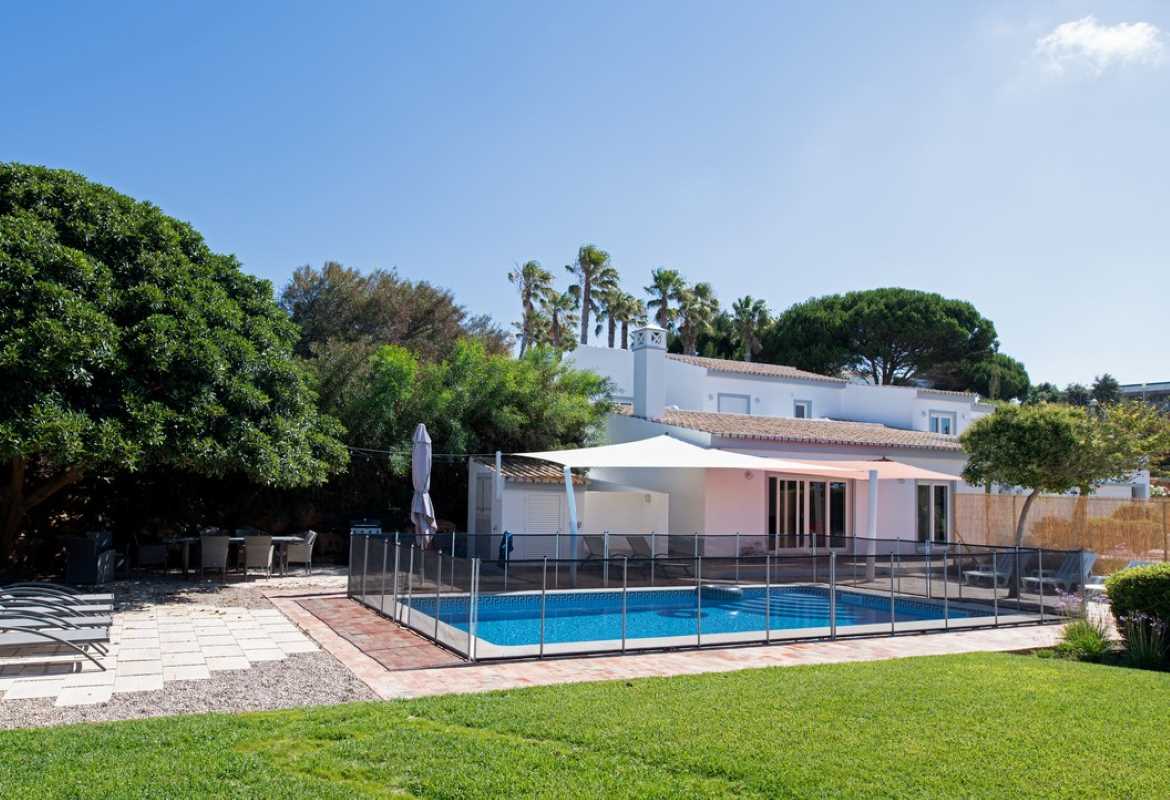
[[807, 514], [934, 512]]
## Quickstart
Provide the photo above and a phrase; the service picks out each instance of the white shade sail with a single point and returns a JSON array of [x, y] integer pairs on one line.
[[666, 452]]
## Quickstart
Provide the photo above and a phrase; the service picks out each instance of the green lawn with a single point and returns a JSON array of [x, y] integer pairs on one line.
[[961, 726]]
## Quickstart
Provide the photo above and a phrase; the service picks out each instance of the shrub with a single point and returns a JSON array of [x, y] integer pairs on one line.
[[1145, 644], [1085, 640], [1140, 598], [1140, 590]]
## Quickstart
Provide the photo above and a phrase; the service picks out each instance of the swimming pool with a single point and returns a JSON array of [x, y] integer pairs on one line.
[[576, 616]]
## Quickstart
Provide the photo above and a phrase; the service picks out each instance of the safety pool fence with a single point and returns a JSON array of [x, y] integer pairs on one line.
[[623, 600]]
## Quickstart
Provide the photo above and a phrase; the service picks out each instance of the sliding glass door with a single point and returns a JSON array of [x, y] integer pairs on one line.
[[806, 514], [934, 512]]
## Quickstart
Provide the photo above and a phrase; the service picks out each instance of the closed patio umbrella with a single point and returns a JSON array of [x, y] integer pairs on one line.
[[422, 512]]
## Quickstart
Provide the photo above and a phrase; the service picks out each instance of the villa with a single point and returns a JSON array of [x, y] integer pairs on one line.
[[818, 460]]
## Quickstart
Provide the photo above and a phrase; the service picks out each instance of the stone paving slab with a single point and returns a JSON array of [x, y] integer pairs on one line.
[[150, 647]]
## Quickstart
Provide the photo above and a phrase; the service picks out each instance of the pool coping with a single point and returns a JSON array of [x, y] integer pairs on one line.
[[479, 649]]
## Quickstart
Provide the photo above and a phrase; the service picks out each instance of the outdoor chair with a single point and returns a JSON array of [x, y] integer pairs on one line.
[[258, 551], [1096, 583], [302, 553], [594, 546], [150, 555], [1004, 568], [213, 554], [1072, 573]]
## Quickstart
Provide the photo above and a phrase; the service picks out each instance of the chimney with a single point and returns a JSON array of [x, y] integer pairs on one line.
[[649, 348]]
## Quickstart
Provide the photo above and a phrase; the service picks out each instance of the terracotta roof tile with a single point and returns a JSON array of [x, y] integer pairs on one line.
[[808, 431], [753, 368], [531, 470]]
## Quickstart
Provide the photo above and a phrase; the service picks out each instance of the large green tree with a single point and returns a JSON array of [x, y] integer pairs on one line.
[[891, 336], [341, 304], [127, 344], [1055, 448]]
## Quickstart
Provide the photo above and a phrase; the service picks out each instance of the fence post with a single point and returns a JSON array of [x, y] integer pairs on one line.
[[946, 591], [1016, 573], [696, 553], [737, 553], [382, 583], [893, 615], [767, 598], [699, 601], [473, 610], [995, 585], [543, 591], [365, 563], [410, 589], [832, 595], [397, 555], [653, 556], [438, 590], [929, 560], [605, 558], [1040, 572], [625, 600]]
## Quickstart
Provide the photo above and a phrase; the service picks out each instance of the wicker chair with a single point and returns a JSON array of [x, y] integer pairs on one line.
[[258, 552], [213, 554], [302, 553]]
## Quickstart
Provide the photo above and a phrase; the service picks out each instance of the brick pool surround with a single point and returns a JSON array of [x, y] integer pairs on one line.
[[338, 623]]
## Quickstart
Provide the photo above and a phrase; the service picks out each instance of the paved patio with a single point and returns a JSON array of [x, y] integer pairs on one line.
[[152, 647], [356, 635]]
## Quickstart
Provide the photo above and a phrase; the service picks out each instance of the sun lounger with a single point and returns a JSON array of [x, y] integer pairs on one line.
[[37, 589], [1096, 583], [77, 639], [1004, 562], [32, 619], [1072, 573]]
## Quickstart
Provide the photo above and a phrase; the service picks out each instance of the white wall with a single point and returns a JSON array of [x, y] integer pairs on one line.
[[613, 363], [626, 511]]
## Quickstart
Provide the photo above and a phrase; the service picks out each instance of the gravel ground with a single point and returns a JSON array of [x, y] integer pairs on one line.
[[237, 592], [308, 679]]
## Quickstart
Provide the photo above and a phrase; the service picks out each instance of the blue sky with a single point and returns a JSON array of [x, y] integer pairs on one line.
[[1010, 154]]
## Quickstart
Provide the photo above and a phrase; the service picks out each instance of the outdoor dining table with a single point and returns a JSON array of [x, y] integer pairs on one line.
[[281, 543]]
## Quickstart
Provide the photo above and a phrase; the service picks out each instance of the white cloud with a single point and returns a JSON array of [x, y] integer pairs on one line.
[[1087, 44]]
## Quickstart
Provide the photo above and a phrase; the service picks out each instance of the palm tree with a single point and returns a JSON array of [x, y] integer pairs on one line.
[[751, 315], [561, 310], [697, 308], [594, 274], [534, 282], [611, 311], [665, 286], [628, 311]]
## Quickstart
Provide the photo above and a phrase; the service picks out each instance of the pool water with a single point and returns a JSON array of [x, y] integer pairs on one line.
[[595, 616]]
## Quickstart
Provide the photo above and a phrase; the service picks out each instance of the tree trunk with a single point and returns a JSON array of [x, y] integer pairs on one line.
[[1024, 517], [586, 291], [612, 330], [625, 335], [1014, 579], [17, 503]]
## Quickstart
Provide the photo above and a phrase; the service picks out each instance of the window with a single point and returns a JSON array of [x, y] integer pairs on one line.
[[934, 512], [735, 403], [802, 409], [942, 422]]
